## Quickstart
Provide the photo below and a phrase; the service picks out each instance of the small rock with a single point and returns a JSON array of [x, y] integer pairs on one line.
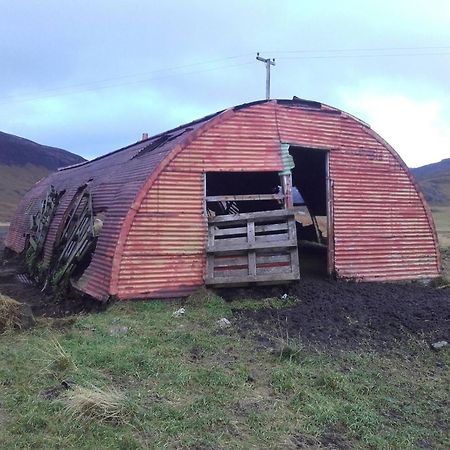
[[67, 384], [438, 345], [224, 323], [117, 331], [179, 312]]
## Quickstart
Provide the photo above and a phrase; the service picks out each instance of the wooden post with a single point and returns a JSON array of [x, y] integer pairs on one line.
[[286, 183], [252, 253]]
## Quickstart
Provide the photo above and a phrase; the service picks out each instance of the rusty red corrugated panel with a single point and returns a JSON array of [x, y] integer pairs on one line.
[[164, 254], [382, 230], [391, 234]]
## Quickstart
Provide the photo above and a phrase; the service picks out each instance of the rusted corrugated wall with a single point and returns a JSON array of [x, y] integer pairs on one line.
[[381, 226], [164, 253]]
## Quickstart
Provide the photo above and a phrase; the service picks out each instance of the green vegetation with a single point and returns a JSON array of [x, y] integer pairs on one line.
[[441, 216], [139, 377]]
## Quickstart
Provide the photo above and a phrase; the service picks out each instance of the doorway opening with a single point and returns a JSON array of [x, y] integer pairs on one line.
[[310, 198]]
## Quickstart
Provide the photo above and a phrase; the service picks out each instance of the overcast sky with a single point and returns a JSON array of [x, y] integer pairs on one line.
[[91, 76]]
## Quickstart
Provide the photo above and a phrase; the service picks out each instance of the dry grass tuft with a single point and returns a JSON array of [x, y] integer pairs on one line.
[[57, 357], [10, 313], [104, 405]]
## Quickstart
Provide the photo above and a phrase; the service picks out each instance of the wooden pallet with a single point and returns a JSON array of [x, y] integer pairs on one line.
[[259, 247], [40, 222], [76, 239]]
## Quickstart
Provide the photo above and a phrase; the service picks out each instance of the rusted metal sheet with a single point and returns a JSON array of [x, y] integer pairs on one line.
[[165, 244]]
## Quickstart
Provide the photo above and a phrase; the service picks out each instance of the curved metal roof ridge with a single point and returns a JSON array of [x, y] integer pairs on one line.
[[295, 101], [149, 140]]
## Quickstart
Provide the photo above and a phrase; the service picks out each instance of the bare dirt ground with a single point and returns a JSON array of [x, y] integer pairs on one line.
[[349, 315]]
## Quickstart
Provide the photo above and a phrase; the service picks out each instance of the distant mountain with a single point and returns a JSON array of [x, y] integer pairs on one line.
[[23, 163], [434, 180]]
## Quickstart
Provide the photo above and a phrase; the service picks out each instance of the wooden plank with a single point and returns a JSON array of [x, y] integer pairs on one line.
[[292, 230], [295, 267], [225, 261], [271, 227], [230, 231], [257, 216], [230, 240], [274, 270], [255, 246], [227, 281], [276, 258], [211, 232], [210, 265], [244, 198], [294, 251], [224, 274], [272, 237]]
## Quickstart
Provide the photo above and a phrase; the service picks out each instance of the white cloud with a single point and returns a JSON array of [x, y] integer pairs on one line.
[[418, 129]]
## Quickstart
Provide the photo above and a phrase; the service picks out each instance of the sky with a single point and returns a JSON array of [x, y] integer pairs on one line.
[[92, 76]]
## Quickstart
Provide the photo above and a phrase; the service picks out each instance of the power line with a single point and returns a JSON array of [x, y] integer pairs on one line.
[[173, 71], [95, 87], [373, 55], [372, 49], [99, 84]]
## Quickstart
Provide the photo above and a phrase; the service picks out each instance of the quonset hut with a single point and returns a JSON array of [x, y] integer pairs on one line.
[[229, 200]]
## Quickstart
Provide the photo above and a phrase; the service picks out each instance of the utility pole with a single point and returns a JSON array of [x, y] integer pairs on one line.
[[268, 62]]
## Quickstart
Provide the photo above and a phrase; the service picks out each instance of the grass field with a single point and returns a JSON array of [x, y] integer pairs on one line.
[[441, 215], [147, 379]]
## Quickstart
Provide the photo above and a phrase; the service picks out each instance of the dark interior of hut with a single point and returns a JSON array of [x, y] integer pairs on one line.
[[232, 184], [309, 186]]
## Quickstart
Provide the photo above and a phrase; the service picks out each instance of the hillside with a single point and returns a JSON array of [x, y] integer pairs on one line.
[[23, 163], [434, 179]]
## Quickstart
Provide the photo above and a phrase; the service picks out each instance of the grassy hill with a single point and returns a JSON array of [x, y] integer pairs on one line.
[[434, 179], [23, 163]]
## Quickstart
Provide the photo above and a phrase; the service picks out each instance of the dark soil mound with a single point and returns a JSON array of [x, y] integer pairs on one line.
[[15, 284], [336, 314]]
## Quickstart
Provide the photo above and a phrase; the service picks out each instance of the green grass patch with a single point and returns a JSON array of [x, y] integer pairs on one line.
[[145, 379]]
